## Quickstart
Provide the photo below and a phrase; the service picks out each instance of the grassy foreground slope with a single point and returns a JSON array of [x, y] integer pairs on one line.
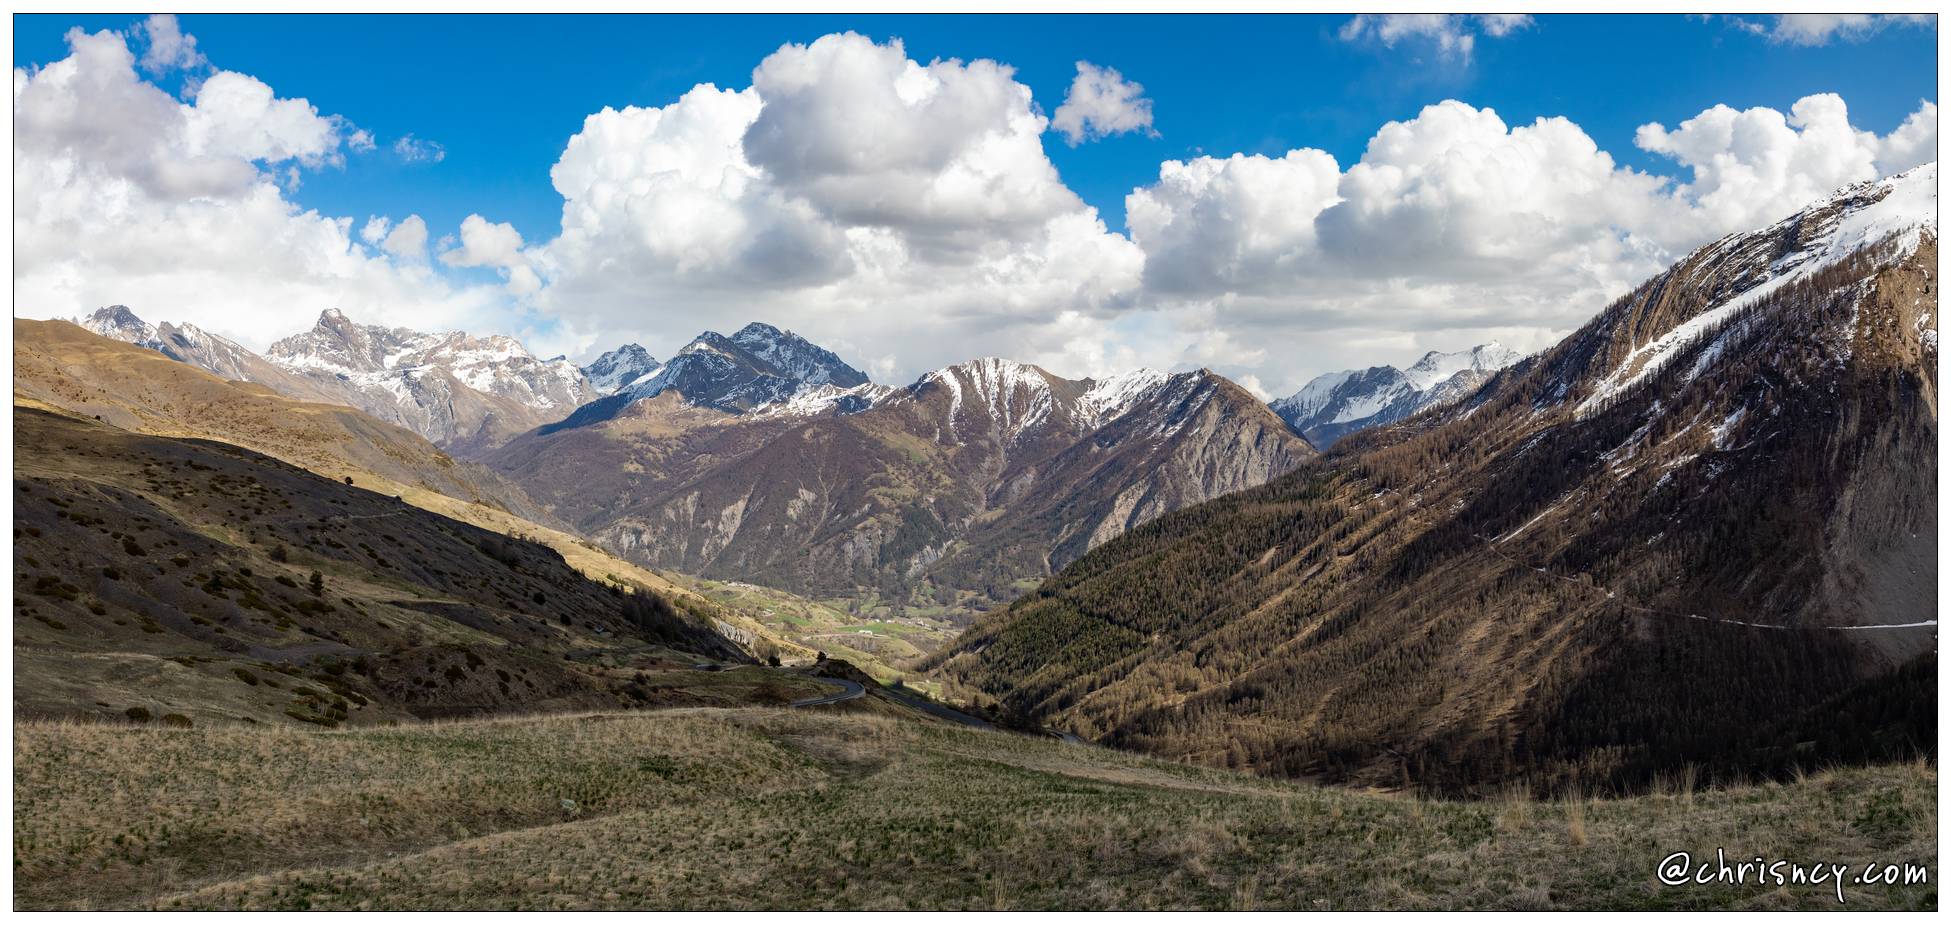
[[767, 808]]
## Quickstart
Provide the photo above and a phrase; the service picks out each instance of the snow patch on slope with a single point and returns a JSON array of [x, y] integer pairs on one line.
[[1110, 397], [1905, 212]]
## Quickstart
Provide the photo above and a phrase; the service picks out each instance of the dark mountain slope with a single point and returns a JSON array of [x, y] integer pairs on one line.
[[1626, 553], [176, 576]]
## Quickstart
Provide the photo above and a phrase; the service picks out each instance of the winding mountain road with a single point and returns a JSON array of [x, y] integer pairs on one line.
[[849, 690]]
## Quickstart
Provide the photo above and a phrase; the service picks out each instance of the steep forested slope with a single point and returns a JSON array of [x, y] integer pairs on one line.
[[1699, 527]]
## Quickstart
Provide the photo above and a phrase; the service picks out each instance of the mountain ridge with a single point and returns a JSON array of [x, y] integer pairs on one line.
[[1595, 568]]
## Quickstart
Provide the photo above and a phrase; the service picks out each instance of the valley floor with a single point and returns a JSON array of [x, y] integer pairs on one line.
[[759, 808]]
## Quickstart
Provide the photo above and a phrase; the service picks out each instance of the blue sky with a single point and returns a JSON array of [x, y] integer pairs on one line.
[[908, 226], [501, 94]]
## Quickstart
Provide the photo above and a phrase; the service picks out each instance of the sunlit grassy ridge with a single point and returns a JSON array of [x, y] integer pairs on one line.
[[760, 808]]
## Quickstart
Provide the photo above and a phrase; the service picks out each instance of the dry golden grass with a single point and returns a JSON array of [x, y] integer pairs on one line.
[[1575, 818], [756, 809]]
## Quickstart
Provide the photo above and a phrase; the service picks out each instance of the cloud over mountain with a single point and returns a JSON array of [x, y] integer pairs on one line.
[[906, 213], [850, 191], [1457, 220]]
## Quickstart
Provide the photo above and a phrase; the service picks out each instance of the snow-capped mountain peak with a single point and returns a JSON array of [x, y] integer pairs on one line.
[[1009, 396], [117, 322], [184, 343], [1335, 404], [795, 357], [620, 368], [760, 367], [424, 380], [1436, 366], [1900, 210], [1113, 395]]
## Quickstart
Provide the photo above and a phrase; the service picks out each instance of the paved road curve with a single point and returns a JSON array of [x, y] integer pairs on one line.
[[848, 691]]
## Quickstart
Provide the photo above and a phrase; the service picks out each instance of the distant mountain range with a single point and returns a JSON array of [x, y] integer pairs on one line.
[[948, 493], [465, 393], [472, 394], [762, 458], [1336, 404], [1702, 529]]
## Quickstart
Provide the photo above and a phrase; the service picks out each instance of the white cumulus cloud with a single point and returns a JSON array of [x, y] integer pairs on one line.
[[179, 209], [1753, 166], [408, 240], [485, 244], [1101, 103], [1455, 227], [905, 213], [168, 48]]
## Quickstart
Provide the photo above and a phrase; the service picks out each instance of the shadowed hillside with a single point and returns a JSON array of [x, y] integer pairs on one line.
[[190, 580], [61, 366]]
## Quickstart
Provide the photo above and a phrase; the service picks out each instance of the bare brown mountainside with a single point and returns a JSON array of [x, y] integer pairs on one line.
[[950, 493], [226, 358], [64, 366], [159, 576], [1702, 529]]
